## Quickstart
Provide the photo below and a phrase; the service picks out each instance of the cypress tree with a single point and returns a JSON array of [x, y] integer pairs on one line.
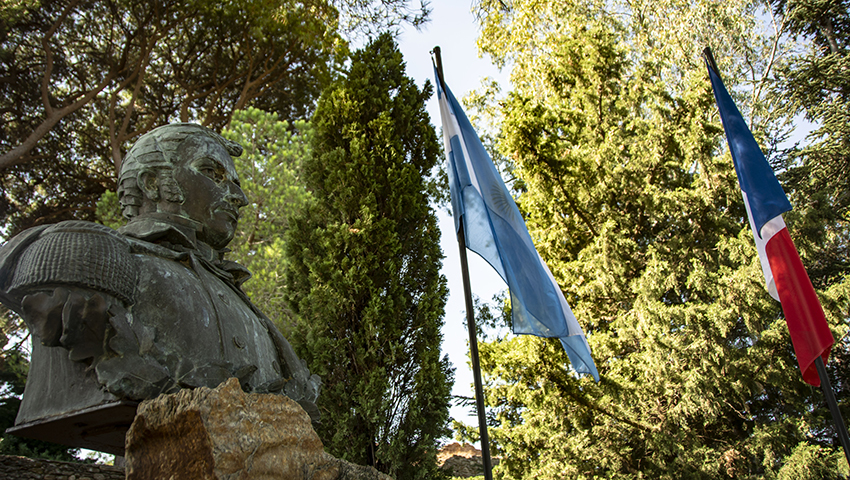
[[363, 278], [631, 198], [815, 82]]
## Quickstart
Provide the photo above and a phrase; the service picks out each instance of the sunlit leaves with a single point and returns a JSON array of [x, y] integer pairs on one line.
[[270, 170]]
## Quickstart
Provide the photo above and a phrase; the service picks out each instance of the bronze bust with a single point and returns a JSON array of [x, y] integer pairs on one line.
[[117, 317]]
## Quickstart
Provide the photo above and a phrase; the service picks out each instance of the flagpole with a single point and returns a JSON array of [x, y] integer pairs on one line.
[[470, 322], [837, 419], [473, 353], [709, 57]]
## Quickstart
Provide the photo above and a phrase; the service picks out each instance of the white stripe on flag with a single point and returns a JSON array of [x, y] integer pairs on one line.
[[771, 228], [454, 129]]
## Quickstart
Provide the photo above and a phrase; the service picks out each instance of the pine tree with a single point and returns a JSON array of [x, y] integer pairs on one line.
[[816, 83], [270, 170], [363, 276]]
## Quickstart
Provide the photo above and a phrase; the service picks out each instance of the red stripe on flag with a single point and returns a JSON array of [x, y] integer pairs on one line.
[[810, 333]]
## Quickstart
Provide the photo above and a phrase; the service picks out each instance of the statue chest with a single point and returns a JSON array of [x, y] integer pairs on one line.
[[204, 329]]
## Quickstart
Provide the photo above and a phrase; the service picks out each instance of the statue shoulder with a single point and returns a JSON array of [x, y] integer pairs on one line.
[[73, 252]]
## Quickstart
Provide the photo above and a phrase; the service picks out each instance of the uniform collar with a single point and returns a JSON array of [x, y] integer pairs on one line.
[[173, 232], [179, 235]]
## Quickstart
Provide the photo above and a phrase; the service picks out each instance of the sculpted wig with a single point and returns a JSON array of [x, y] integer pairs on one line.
[[155, 152]]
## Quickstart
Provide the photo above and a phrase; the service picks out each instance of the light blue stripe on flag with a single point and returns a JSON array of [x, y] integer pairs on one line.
[[495, 230]]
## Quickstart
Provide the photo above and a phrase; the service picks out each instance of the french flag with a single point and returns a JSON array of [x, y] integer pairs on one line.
[[784, 274]]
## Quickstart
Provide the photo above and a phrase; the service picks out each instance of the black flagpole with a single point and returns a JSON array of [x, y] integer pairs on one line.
[[470, 321], [840, 426], [826, 385]]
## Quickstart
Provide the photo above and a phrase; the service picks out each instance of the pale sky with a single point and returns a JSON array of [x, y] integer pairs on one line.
[[454, 29]]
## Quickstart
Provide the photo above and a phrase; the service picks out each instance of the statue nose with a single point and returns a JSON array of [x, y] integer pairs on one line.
[[236, 196]]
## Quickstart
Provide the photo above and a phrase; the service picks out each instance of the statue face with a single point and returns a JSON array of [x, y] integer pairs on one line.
[[210, 185]]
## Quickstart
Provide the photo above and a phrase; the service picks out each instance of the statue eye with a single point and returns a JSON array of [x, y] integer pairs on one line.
[[213, 173]]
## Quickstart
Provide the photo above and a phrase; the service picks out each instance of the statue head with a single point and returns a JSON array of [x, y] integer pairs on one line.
[[184, 170]]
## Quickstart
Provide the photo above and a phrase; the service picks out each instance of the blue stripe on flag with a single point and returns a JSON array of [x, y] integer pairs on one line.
[[454, 181], [766, 197]]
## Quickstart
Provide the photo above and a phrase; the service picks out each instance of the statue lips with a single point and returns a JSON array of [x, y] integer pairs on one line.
[[229, 211]]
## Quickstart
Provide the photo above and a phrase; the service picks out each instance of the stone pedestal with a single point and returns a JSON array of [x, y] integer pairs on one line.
[[224, 433]]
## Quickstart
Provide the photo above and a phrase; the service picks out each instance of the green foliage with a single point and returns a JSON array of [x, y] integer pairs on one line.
[[363, 274], [87, 78], [108, 210], [632, 201], [270, 171], [816, 83], [369, 18], [813, 462]]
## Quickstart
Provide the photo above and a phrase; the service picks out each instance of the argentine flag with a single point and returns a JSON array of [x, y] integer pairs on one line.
[[495, 230]]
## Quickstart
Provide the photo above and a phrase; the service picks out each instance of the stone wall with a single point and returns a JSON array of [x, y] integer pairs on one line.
[[464, 461], [20, 468], [458, 460]]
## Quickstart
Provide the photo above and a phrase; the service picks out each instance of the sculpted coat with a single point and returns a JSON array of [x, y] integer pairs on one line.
[[120, 316]]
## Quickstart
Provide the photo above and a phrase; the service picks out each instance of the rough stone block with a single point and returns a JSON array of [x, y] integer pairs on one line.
[[227, 434]]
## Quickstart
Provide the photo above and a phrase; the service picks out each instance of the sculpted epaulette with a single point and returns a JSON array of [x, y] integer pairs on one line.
[[75, 253]]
